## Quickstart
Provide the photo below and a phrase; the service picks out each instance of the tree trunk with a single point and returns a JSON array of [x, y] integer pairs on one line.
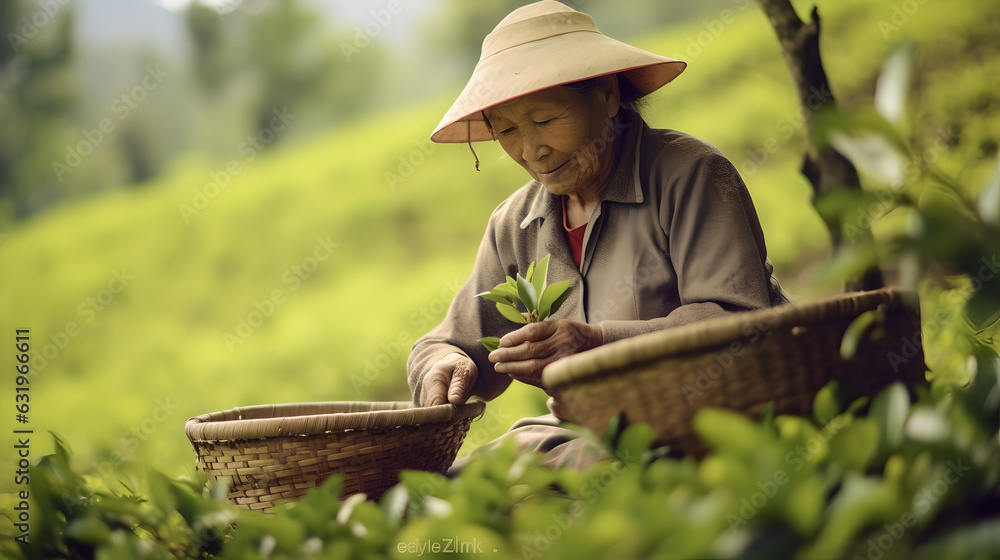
[[826, 169]]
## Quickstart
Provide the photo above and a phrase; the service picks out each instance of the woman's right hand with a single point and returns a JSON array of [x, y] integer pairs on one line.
[[451, 379]]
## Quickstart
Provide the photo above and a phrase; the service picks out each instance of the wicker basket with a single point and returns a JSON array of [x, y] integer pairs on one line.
[[275, 452], [783, 354]]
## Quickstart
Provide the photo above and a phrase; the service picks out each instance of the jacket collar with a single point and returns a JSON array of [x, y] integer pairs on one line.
[[623, 186]]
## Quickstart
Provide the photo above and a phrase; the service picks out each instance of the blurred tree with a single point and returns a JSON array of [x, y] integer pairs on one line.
[[460, 26], [265, 64], [825, 167], [139, 153], [211, 66], [285, 56], [37, 95], [141, 148]]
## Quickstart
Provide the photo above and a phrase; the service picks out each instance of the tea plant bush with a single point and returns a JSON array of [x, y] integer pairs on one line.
[[904, 480]]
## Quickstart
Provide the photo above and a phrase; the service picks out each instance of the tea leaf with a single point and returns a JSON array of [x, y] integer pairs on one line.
[[493, 297], [511, 312], [894, 83], [890, 409], [527, 292], [826, 403], [855, 331], [873, 154], [505, 290], [559, 301], [635, 440], [854, 445], [805, 505], [490, 342], [539, 278], [989, 199], [552, 297], [88, 529], [729, 432], [613, 430], [394, 503], [767, 417], [963, 542]]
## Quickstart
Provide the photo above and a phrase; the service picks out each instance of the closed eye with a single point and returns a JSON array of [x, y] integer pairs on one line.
[[507, 131]]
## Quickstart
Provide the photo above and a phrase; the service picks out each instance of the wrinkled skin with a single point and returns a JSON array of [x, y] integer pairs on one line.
[[523, 354], [450, 380]]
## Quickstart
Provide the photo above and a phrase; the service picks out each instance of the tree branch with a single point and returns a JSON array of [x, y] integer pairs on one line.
[[826, 169]]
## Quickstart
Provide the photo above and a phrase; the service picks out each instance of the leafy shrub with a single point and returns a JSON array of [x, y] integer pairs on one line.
[[905, 480]]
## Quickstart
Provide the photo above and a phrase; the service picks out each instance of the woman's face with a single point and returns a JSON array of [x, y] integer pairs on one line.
[[562, 139]]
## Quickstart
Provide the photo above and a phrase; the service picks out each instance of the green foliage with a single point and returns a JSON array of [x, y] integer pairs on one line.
[[915, 481], [856, 330], [491, 343], [538, 299], [74, 515], [927, 224], [204, 27], [38, 95]]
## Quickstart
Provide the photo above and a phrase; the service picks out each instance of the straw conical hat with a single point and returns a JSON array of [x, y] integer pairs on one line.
[[539, 46]]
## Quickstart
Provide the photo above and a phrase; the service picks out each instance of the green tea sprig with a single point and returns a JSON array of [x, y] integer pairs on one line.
[[538, 300]]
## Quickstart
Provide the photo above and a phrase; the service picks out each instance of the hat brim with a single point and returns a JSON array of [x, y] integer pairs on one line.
[[511, 73]]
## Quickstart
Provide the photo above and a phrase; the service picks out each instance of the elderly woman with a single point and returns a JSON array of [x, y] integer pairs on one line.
[[653, 228]]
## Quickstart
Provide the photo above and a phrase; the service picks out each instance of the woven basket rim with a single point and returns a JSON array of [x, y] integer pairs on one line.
[[314, 418], [606, 359]]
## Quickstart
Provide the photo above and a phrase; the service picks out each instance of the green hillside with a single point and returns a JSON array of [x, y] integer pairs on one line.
[[127, 364]]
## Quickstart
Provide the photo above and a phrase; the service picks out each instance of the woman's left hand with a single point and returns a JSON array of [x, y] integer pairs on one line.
[[525, 352]]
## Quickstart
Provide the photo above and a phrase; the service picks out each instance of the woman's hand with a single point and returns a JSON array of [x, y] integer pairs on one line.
[[525, 352], [450, 379]]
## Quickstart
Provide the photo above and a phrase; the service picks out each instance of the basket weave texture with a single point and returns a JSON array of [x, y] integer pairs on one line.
[[278, 452], [783, 354]]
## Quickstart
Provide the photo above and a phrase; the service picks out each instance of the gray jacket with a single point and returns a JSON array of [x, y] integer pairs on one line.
[[674, 240]]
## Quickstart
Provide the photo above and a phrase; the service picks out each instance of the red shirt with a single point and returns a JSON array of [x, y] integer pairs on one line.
[[574, 237]]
